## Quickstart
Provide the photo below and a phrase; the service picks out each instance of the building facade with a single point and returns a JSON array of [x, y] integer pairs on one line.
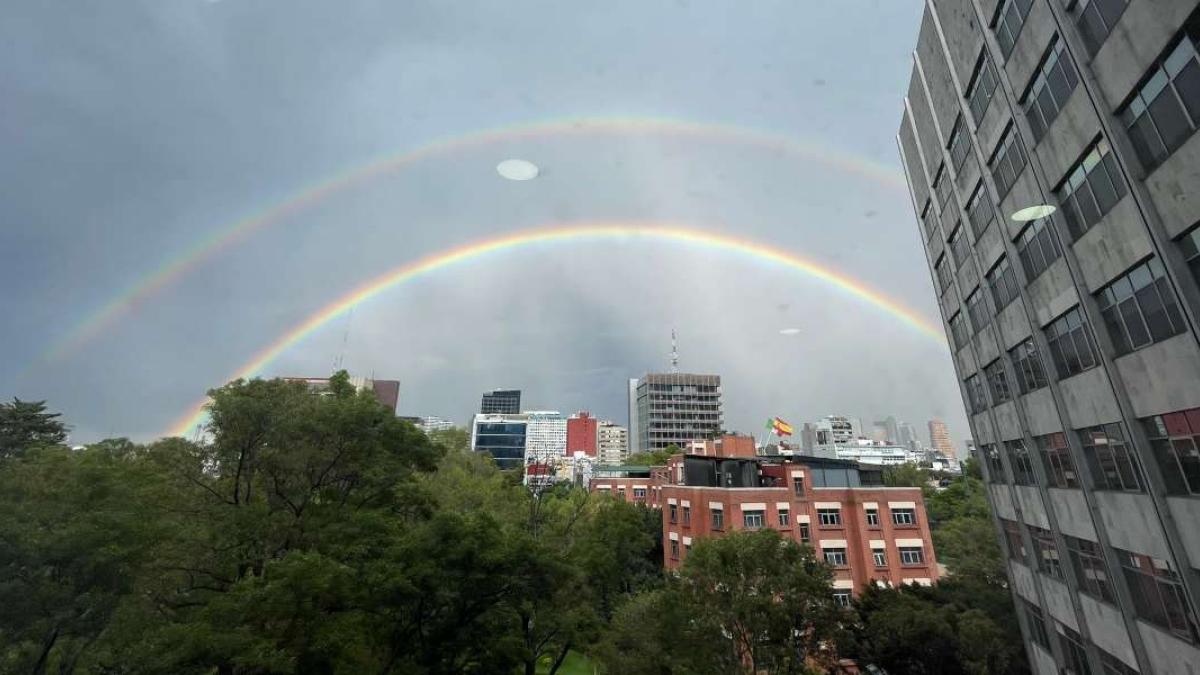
[[387, 392], [939, 439], [582, 434], [865, 531], [500, 436], [673, 409], [545, 446], [1074, 333], [875, 452], [431, 423], [501, 402], [612, 443], [725, 445]]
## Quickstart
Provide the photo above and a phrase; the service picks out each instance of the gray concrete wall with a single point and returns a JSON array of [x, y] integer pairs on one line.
[[916, 175], [1012, 322], [1173, 188], [989, 247], [1041, 413], [1107, 629], [931, 146], [963, 36], [1168, 653], [1071, 511], [1031, 45], [1088, 398], [1052, 293], [1113, 245], [1134, 43], [1058, 600], [1033, 511], [1187, 510], [1008, 425], [1001, 498], [1131, 523], [1070, 134], [937, 74], [1022, 578], [1163, 377]]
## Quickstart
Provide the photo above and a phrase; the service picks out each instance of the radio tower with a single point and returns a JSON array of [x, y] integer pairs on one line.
[[674, 353]]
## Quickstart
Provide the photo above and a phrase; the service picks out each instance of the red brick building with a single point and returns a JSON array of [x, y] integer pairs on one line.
[[727, 445], [865, 530], [581, 434]]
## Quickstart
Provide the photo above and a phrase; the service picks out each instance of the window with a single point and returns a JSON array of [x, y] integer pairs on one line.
[[1090, 568], [804, 533], [1092, 187], [960, 143], [1056, 458], [753, 520], [1140, 308], [1037, 247], [1010, 17], [975, 394], [841, 598], [1050, 88], [674, 511], [1190, 245], [718, 519], [1007, 160], [621, 494], [1028, 366], [904, 517], [1095, 19], [829, 517], [835, 557], [879, 556], [1013, 541], [979, 210], [997, 381], [982, 86], [785, 518], [1037, 625], [995, 465], [1110, 460], [639, 493], [798, 485], [1071, 346], [942, 186], [977, 309], [1111, 665], [1175, 440], [929, 220], [1075, 660], [960, 248], [1018, 459], [687, 515], [912, 555], [674, 550], [1048, 560], [1158, 594], [959, 330], [873, 517], [1003, 282], [945, 275]]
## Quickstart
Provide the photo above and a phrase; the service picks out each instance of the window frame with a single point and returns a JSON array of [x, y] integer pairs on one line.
[[997, 381], [959, 145], [1002, 281], [1081, 208], [976, 393], [1169, 434], [985, 71], [1153, 587], [1021, 463], [1037, 247], [1091, 569], [904, 517], [717, 519], [1071, 329], [1001, 20], [1122, 304], [1112, 463], [834, 520], [784, 517], [1008, 160], [1027, 364], [980, 210], [1055, 453], [759, 515], [912, 556], [978, 310], [1056, 56], [1049, 558], [879, 557], [1092, 41], [836, 557]]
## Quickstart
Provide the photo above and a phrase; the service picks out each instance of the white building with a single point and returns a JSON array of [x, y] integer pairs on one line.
[[545, 445], [875, 452], [612, 443], [433, 423]]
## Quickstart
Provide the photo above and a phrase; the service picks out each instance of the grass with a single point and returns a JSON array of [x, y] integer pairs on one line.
[[574, 664]]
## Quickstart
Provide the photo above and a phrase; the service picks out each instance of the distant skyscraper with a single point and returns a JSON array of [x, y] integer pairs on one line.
[[889, 430], [612, 443], [634, 447], [939, 439], [501, 436], [581, 434], [501, 402], [908, 436], [675, 408]]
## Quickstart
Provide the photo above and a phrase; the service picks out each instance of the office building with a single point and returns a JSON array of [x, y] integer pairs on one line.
[[673, 409], [582, 434], [828, 433], [501, 402], [865, 531], [939, 439], [1073, 332], [500, 436], [612, 443], [634, 484], [867, 451], [545, 446], [908, 437], [888, 431], [387, 392], [431, 423]]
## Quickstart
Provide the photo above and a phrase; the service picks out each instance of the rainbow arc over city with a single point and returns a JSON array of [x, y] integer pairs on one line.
[[222, 238], [563, 233]]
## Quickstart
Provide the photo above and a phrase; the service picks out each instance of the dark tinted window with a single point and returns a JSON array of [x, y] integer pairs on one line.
[[983, 85], [1037, 247], [1003, 282], [1071, 346], [1007, 161], [1175, 440], [979, 210], [1056, 458], [1010, 18], [1111, 460], [1165, 110], [1092, 187], [976, 395], [1050, 88], [1028, 366], [977, 309], [960, 143], [1096, 19], [1140, 308]]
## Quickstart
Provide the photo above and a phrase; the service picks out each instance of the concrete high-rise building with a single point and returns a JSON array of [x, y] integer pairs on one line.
[[502, 437], [501, 402], [673, 409], [545, 442], [908, 436], [1074, 332], [633, 417], [939, 439], [890, 430], [612, 443]]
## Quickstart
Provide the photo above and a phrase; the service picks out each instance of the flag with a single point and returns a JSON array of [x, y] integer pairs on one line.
[[780, 427]]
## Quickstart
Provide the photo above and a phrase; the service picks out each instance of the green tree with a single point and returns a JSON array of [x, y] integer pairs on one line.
[[653, 457], [25, 425], [451, 440], [905, 475]]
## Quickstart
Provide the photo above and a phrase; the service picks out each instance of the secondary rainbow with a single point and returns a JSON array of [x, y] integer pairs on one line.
[[221, 239], [562, 233]]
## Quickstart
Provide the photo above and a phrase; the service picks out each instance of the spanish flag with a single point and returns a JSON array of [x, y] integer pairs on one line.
[[780, 427]]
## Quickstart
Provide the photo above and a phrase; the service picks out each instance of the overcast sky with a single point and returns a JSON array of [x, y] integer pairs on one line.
[[132, 131]]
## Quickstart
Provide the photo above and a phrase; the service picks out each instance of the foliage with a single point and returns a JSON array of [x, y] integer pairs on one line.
[[905, 475], [25, 425], [653, 457], [454, 439]]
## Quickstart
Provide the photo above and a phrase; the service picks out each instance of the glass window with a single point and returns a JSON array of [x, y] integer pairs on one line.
[[1110, 458], [1111, 665], [1049, 89], [639, 493], [960, 143], [979, 210], [929, 219], [674, 550], [1003, 282], [1013, 540], [1056, 458], [942, 186], [1092, 187], [904, 516], [975, 394], [1018, 459], [1071, 346], [674, 512], [1037, 625], [718, 519], [1028, 366], [1010, 18], [982, 86], [945, 275], [1090, 568], [752, 520], [1037, 247], [1190, 245], [1175, 440], [798, 485], [841, 598], [835, 557], [1048, 560], [995, 465], [879, 556], [1140, 308], [785, 518], [959, 330], [912, 555], [829, 517], [1158, 594], [1007, 160], [1096, 19], [1075, 660], [997, 381], [977, 309], [1165, 110], [804, 533], [960, 248], [873, 517], [687, 515]]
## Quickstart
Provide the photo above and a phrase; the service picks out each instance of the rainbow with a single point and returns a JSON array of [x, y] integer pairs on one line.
[[172, 269], [556, 234]]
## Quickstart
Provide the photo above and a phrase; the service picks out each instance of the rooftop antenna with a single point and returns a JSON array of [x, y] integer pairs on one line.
[[674, 353], [341, 357]]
